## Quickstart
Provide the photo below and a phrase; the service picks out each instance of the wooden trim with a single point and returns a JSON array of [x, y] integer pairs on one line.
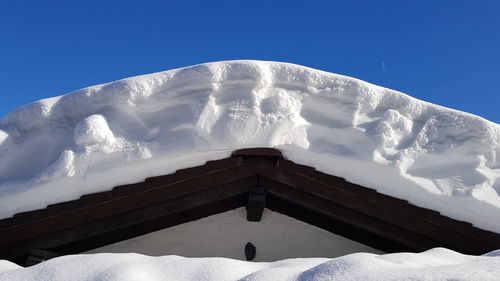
[[256, 203], [330, 202]]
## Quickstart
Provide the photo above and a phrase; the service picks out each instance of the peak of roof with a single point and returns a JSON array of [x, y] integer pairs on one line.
[[98, 137]]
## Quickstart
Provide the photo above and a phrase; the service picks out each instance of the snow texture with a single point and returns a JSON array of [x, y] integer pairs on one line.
[[95, 138], [435, 264]]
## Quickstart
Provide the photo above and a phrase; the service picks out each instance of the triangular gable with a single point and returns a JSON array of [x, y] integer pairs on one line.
[[256, 178]]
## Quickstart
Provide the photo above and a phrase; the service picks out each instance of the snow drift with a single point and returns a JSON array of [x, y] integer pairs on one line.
[[95, 138], [435, 264]]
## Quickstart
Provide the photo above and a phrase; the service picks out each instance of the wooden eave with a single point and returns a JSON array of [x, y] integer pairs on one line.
[[353, 211]]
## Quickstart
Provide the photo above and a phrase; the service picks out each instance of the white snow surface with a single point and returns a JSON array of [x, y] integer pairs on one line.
[[435, 264], [98, 137]]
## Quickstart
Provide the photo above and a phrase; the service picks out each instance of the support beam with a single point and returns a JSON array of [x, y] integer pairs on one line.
[[253, 177], [256, 203]]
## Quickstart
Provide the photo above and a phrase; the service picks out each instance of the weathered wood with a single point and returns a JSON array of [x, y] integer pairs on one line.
[[47, 239], [256, 203], [262, 153], [148, 226], [349, 216], [81, 211], [393, 210], [335, 226], [330, 202]]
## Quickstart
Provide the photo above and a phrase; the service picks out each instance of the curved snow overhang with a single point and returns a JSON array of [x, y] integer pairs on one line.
[[256, 178]]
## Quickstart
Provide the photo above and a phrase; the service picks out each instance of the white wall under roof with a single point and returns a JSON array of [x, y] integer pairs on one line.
[[276, 237]]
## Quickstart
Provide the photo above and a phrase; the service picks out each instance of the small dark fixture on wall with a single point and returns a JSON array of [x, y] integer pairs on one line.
[[250, 251]]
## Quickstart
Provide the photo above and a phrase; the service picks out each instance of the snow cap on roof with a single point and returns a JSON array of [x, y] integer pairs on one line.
[[95, 138]]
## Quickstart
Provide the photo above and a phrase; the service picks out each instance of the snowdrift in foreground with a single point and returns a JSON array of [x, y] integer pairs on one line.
[[90, 140], [436, 264]]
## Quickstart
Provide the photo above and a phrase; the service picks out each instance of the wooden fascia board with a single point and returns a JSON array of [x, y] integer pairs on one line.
[[326, 195]]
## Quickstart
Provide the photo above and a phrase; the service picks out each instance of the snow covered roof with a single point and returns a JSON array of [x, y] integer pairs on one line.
[[255, 178], [58, 149]]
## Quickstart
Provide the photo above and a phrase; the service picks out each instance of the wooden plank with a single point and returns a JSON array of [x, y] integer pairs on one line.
[[297, 190], [256, 203], [74, 213], [336, 226], [387, 213], [257, 151], [137, 217], [152, 225], [349, 216]]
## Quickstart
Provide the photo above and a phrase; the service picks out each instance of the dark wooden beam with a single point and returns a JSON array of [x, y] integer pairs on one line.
[[256, 203], [258, 152], [131, 231], [91, 229], [336, 226], [256, 178]]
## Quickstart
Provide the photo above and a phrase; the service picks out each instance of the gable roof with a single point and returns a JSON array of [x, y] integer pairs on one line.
[[61, 148], [256, 178]]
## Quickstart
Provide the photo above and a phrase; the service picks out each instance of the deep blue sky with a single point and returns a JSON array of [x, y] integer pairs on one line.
[[445, 52]]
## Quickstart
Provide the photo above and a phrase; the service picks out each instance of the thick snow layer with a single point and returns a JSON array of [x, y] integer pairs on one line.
[[435, 264], [95, 138]]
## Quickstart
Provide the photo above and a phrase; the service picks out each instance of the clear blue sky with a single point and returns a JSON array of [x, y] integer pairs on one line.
[[445, 52]]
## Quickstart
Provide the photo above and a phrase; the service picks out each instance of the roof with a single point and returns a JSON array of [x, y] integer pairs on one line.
[[256, 178], [90, 140]]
